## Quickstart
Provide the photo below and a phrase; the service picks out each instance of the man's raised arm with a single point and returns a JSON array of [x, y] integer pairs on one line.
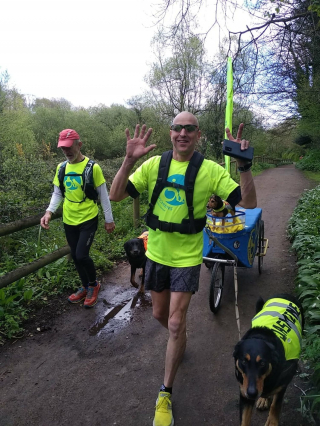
[[136, 148], [248, 190]]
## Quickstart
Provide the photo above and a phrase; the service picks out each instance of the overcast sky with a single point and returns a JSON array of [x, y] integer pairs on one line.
[[86, 51]]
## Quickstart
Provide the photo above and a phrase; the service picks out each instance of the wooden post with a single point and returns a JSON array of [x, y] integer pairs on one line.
[[136, 212]]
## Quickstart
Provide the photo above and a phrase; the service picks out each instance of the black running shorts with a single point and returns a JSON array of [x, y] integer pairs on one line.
[[160, 277]]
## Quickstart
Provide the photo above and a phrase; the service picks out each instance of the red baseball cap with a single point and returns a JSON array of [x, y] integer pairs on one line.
[[66, 137]]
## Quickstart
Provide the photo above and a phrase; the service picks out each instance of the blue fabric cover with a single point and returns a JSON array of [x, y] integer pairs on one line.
[[242, 243]]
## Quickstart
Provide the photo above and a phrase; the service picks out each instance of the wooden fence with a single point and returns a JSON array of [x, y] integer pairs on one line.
[[19, 225]]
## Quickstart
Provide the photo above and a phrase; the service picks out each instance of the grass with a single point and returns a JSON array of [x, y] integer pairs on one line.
[[315, 176]]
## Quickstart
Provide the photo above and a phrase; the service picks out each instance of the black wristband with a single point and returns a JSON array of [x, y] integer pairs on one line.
[[245, 168]]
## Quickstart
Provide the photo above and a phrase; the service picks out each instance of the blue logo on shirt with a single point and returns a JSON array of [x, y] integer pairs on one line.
[[173, 195], [72, 182]]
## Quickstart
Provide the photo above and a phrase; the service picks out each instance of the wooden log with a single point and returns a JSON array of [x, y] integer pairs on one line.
[[28, 222], [25, 270]]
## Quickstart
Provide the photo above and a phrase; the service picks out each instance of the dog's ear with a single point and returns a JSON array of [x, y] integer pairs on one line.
[[126, 245], [259, 304], [219, 202], [275, 358], [236, 350], [271, 346]]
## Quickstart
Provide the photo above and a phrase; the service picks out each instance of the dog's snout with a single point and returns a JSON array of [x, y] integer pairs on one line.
[[252, 391]]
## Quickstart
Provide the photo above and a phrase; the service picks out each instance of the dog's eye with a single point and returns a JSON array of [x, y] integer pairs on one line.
[[262, 364], [243, 362]]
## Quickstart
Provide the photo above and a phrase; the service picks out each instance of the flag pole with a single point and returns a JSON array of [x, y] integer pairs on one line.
[[229, 107]]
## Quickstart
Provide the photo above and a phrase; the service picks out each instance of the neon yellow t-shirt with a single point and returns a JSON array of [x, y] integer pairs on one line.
[[75, 211], [172, 248], [285, 320]]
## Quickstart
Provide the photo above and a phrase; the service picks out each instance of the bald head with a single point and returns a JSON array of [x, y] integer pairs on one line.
[[187, 116]]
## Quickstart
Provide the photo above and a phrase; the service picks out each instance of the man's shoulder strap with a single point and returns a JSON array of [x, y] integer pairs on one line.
[[163, 172], [191, 174], [62, 168], [61, 175], [88, 171], [87, 175]]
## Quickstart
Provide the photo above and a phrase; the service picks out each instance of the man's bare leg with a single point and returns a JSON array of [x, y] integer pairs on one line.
[[170, 309], [177, 325], [161, 306]]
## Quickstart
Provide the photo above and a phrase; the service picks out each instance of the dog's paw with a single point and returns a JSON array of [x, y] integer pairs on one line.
[[272, 421], [262, 404], [141, 290]]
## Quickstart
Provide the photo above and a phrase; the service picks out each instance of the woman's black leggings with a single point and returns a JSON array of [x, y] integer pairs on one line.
[[80, 238]]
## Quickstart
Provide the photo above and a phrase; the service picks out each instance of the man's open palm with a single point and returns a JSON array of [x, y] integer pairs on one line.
[[136, 147]]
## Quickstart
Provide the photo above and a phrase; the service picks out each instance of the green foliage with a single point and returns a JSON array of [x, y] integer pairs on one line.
[[25, 184], [31, 292], [11, 298], [303, 140], [303, 230], [312, 175], [311, 161], [293, 153], [308, 102], [315, 7]]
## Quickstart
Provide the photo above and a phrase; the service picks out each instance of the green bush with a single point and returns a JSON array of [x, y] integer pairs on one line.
[[310, 162], [25, 186], [303, 230]]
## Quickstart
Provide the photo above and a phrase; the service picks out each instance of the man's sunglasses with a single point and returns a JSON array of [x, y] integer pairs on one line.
[[189, 127]]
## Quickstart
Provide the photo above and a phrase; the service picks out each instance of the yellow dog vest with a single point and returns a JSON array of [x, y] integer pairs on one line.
[[285, 320]]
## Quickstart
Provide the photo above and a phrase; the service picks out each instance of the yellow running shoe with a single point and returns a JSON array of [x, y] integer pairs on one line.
[[163, 415]]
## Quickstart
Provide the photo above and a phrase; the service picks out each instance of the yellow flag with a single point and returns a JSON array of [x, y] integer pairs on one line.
[[229, 107]]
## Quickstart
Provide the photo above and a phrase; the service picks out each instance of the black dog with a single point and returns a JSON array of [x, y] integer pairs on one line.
[[266, 358], [136, 254]]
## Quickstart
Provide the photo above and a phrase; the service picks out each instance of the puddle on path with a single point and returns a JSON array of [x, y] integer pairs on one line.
[[120, 313]]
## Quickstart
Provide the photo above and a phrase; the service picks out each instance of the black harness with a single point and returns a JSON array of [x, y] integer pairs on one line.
[[87, 181], [187, 226]]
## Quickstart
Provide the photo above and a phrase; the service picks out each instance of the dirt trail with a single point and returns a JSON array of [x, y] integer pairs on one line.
[[104, 366]]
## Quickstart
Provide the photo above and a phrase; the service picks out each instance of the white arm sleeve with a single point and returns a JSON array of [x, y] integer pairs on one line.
[[105, 202], [55, 199]]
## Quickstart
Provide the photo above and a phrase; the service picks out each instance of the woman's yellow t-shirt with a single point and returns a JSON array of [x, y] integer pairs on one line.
[[75, 210]]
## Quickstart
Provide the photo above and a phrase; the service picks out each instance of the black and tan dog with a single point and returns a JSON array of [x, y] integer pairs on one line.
[[136, 254], [266, 358]]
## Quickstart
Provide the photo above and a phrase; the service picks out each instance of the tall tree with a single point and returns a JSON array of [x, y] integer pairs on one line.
[[283, 41], [180, 77]]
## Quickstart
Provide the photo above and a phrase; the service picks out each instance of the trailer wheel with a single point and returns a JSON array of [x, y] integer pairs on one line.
[[216, 286]]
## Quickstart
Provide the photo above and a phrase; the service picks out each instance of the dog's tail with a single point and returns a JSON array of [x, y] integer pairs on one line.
[[259, 304]]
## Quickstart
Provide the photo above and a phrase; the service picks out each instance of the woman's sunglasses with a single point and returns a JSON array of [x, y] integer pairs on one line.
[[189, 127]]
